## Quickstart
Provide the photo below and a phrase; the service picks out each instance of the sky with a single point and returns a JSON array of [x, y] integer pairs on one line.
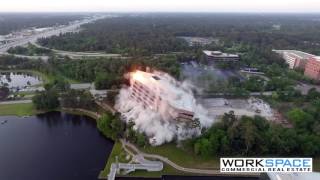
[[302, 6]]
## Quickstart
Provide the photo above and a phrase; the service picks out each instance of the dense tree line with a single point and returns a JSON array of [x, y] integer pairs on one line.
[[111, 126], [255, 136], [107, 73], [46, 100], [134, 136], [77, 99], [30, 50], [124, 35], [4, 92], [8, 62], [156, 33]]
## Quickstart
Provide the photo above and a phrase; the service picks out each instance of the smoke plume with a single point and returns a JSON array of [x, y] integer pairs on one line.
[[157, 125]]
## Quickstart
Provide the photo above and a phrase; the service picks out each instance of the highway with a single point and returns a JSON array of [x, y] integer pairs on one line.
[[61, 30], [43, 58], [77, 55], [70, 28]]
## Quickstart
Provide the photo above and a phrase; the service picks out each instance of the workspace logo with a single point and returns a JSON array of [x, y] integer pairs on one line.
[[265, 164]]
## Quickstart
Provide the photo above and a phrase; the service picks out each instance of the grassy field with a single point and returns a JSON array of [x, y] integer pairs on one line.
[[116, 151], [17, 109], [174, 153], [48, 78], [183, 157], [167, 170]]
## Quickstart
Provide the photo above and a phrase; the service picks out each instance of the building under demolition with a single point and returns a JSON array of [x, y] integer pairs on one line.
[[156, 93]]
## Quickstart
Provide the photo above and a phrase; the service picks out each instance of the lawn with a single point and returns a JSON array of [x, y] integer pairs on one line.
[[116, 151], [17, 109], [167, 170], [183, 157], [48, 78]]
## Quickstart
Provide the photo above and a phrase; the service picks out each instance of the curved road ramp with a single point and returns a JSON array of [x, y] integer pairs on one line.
[[128, 167]]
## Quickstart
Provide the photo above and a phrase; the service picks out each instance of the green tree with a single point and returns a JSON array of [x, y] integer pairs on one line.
[[141, 139], [300, 118], [46, 100], [103, 125]]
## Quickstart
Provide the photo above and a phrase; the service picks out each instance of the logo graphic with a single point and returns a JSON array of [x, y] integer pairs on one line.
[[265, 164]]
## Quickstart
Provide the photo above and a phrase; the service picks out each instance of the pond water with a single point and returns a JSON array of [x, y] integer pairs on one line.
[[51, 146], [19, 79], [60, 146]]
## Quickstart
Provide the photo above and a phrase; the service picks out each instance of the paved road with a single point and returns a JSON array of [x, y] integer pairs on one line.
[[16, 102], [166, 160], [141, 164], [207, 95], [77, 55], [106, 107], [57, 31], [70, 28], [304, 88], [178, 167], [43, 58]]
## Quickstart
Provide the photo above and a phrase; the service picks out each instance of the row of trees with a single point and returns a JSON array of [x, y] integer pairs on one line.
[[111, 126], [30, 50], [151, 34], [4, 92], [132, 36], [108, 73], [11, 62], [254, 136], [46, 100]]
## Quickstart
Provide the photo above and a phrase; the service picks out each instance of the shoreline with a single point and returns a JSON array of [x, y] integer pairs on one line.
[[118, 150]]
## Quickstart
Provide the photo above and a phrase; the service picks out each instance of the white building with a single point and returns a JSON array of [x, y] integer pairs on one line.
[[214, 56]]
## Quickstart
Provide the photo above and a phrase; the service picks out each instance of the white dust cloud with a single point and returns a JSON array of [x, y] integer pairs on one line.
[[157, 125]]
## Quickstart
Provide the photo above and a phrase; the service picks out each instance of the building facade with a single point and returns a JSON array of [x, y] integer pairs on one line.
[[312, 68], [154, 93], [295, 59]]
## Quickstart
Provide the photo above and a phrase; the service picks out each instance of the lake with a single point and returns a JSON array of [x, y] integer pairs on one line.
[[19, 79], [60, 146], [52, 146]]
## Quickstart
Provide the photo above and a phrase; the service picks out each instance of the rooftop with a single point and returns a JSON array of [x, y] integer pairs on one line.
[[300, 54], [80, 86], [219, 54]]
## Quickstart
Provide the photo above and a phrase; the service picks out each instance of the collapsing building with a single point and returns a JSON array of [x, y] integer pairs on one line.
[[159, 95], [161, 107]]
